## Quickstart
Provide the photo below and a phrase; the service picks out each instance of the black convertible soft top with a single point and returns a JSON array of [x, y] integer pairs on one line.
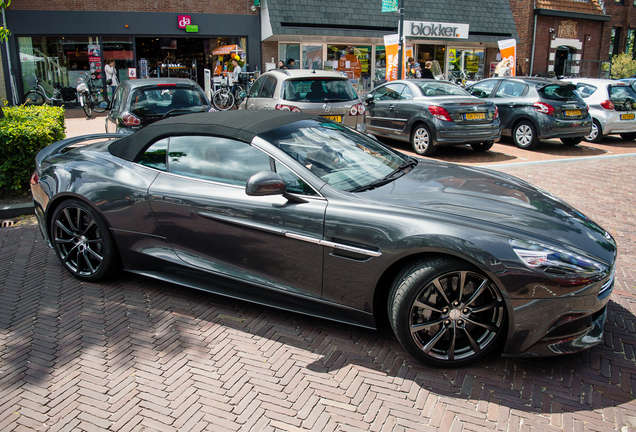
[[242, 125]]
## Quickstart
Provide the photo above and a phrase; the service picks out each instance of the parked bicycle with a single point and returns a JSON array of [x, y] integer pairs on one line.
[[91, 98], [225, 99], [62, 96]]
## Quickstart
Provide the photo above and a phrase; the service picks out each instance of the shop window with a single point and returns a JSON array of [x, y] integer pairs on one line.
[[287, 52], [630, 45], [352, 61], [312, 57], [380, 66], [120, 50], [470, 61]]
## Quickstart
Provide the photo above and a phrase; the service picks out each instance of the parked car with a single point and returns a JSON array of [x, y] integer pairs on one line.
[[429, 113], [531, 109], [324, 93], [612, 106], [630, 81], [138, 103], [303, 213]]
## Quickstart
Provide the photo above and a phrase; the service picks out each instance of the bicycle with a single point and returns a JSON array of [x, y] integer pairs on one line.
[[224, 98], [91, 98], [66, 97]]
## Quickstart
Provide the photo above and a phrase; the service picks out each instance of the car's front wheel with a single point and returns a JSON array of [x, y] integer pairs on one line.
[[571, 141], [82, 241], [422, 141], [524, 135], [596, 135], [482, 147], [445, 312]]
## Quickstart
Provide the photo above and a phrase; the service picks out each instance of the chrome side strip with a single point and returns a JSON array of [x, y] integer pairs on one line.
[[333, 245]]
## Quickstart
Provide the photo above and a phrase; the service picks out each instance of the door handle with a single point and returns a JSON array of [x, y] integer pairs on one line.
[[391, 107], [173, 200]]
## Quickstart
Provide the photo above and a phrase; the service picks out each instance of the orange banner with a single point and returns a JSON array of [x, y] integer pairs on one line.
[[391, 44], [508, 49]]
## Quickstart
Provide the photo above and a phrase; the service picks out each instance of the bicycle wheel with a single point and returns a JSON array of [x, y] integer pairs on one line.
[[98, 98], [86, 105], [223, 100], [71, 103], [34, 98]]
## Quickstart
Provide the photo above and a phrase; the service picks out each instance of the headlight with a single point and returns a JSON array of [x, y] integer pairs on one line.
[[555, 261]]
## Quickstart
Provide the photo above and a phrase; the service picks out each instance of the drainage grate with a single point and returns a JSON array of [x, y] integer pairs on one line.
[[7, 223]]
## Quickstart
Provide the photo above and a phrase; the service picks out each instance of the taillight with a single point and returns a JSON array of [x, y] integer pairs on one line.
[[35, 178], [130, 120], [496, 116], [543, 108], [357, 109], [440, 113], [291, 108], [608, 105]]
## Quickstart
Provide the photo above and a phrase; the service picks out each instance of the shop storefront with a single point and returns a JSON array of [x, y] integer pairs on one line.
[[59, 50], [353, 44]]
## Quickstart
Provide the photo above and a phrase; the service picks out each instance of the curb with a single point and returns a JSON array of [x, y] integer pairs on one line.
[[15, 210]]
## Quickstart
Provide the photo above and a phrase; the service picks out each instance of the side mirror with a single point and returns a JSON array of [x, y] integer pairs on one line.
[[265, 183], [368, 98]]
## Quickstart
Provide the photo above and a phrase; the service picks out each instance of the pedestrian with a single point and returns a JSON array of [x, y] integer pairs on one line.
[[414, 70], [111, 76], [426, 73], [290, 64], [236, 75], [281, 64]]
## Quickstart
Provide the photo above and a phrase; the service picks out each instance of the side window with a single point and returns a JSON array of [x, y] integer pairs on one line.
[[483, 90], [294, 183], [155, 155], [406, 93], [585, 90], [217, 159], [388, 92], [267, 90], [510, 89], [256, 87]]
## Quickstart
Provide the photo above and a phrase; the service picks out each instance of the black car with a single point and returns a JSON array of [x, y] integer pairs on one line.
[[531, 109], [303, 213], [430, 113], [137, 103]]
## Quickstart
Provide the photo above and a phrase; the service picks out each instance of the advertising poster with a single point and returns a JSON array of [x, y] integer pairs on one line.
[[391, 43], [508, 49]]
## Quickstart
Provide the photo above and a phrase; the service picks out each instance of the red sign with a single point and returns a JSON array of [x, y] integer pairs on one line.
[[184, 21]]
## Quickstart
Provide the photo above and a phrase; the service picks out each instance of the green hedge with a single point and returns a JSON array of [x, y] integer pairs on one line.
[[24, 131]]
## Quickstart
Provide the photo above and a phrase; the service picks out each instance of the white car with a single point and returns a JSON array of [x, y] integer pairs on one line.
[[612, 106]]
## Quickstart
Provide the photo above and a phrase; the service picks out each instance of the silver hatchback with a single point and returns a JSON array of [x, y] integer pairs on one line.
[[324, 93], [612, 106]]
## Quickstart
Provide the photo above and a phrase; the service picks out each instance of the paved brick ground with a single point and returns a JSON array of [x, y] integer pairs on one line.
[[135, 354]]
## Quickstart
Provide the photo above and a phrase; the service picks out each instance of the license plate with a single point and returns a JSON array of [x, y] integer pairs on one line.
[[570, 113], [627, 116], [334, 118], [476, 116]]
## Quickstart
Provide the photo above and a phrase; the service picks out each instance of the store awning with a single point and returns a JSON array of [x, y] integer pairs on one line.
[[227, 49]]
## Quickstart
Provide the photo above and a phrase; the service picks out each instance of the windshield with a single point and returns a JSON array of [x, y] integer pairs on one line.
[[622, 92], [340, 156], [318, 90], [153, 101], [440, 89], [559, 92]]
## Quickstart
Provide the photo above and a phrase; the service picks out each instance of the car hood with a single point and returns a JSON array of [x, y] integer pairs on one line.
[[494, 201]]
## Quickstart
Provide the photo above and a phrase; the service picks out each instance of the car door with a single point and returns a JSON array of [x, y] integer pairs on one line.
[[199, 201], [382, 107], [405, 109], [262, 97], [509, 99]]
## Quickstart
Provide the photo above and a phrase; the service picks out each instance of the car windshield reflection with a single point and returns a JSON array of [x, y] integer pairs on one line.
[[345, 159]]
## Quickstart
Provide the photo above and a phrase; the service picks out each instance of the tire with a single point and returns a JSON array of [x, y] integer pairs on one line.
[[83, 242], [482, 147], [86, 105], [597, 133], [628, 136], [524, 135], [98, 98], [571, 141], [223, 100], [422, 141], [445, 312], [34, 98]]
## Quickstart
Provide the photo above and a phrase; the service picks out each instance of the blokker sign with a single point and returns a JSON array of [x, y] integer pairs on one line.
[[435, 30]]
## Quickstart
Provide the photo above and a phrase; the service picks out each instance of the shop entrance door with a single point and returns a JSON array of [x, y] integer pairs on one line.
[[173, 57], [563, 54]]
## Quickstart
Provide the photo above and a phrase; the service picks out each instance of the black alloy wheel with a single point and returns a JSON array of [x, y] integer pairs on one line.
[[524, 135], [482, 147], [445, 312], [82, 241], [596, 135], [571, 141], [422, 141]]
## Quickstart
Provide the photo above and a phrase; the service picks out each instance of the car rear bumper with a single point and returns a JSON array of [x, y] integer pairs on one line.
[[467, 135], [566, 129]]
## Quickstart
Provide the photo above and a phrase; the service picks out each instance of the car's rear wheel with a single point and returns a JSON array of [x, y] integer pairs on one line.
[[524, 135], [482, 147], [571, 141], [628, 136], [596, 135], [82, 241], [422, 141], [445, 312]]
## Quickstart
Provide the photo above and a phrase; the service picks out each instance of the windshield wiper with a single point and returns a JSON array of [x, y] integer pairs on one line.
[[402, 169]]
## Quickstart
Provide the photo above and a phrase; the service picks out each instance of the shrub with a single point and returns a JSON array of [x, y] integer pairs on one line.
[[24, 131], [623, 66]]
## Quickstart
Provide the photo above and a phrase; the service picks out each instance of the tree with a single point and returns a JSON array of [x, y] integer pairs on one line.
[[623, 66], [4, 35]]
